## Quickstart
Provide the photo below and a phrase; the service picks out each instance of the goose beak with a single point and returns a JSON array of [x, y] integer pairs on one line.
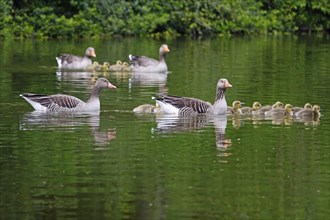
[[93, 53], [111, 86], [227, 84], [166, 49]]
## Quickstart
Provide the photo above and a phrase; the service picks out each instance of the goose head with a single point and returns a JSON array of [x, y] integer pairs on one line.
[[104, 83], [164, 49], [90, 52], [222, 85]]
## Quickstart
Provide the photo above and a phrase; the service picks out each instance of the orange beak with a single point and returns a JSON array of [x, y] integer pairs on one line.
[[111, 86], [166, 49], [93, 53], [227, 84]]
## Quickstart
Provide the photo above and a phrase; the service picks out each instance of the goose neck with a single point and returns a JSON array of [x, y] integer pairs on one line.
[[220, 94], [95, 93]]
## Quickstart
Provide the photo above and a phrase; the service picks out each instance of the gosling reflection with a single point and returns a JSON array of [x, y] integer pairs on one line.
[[67, 121], [239, 121]]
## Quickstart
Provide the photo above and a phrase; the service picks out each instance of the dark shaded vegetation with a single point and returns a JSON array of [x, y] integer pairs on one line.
[[164, 18]]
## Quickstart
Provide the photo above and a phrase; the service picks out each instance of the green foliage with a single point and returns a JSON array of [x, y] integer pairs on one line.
[[5, 17], [105, 18]]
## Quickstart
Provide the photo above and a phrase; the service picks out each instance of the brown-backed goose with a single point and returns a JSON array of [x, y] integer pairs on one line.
[[286, 111], [69, 61], [191, 106], [314, 112], [67, 103], [146, 64]]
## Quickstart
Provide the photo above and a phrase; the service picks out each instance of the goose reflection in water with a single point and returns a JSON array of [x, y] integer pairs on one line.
[[76, 79], [220, 125], [143, 79], [167, 123], [37, 120], [149, 79]]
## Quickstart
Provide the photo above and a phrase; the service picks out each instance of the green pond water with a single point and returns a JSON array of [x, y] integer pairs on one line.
[[122, 165]]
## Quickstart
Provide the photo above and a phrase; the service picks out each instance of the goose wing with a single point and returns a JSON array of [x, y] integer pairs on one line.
[[69, 58], [142, 61], [187, 105], [51, 102]]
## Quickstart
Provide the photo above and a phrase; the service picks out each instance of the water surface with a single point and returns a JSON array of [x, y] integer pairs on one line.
[[121, 165]]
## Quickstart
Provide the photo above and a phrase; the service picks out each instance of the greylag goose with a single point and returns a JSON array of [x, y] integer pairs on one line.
[[67, 103], [314, 112], [286, 111], [191, 106], [69, 61], [146, 64], [251, 110]]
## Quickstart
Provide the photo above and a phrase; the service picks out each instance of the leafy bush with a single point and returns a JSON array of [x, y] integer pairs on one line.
[[164, 18]]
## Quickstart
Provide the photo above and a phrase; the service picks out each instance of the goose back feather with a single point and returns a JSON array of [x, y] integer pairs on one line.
[[183, 105]]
